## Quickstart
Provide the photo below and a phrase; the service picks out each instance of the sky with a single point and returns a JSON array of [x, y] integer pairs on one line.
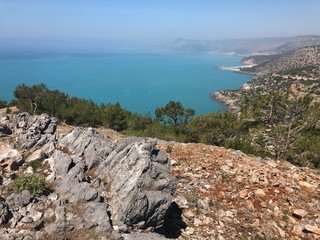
[[130, 23]]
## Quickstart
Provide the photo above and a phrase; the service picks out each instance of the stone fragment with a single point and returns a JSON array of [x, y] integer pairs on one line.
[[97, 214], [143, 236], [9, 157], [297, 229], [17, 200], [181, 201], [189, 231], [307, 186], [313, 229], [4, 213], [36, 155], [243, 193], [27, 219], [4, 130], [300, 213], [197, 222], [37, 225], [259, 193], [188, 214]]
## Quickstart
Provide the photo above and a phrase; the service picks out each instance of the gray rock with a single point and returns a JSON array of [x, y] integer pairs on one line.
[[17, 200], [4, 130], [96, 215], [4, 213], [37, 225], [32, 131], [141, 185], [88, 144], [143, 236], [68, 172], [9, 157], [36, 155]]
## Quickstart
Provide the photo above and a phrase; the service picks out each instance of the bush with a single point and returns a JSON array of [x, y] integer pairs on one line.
[[35, 164], [34, 183]]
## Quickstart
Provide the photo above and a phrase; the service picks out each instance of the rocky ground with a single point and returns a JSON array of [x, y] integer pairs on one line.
[[122, 188], [225, 194], [97, 188]]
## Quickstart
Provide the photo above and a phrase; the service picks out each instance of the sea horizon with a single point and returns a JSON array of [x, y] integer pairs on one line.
[[140, 82]]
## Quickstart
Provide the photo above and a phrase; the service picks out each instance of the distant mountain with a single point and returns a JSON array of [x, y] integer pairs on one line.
[[258, 46]]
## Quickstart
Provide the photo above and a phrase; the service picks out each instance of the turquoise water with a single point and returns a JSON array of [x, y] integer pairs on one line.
[[139, 82]]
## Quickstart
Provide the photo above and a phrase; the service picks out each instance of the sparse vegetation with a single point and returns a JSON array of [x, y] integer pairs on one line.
[[34, 164], [34, 183]]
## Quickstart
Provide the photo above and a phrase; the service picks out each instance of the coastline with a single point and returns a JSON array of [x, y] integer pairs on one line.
[[226, 100]]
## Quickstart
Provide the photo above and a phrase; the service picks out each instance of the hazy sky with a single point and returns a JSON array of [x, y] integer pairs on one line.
[[130, 22]]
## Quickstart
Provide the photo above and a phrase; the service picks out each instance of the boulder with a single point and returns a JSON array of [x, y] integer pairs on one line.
[[18, 200], [141, 186], [4, 130], [9, 157]]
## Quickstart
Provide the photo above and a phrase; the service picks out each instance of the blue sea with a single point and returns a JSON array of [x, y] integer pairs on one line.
[[139, 82]]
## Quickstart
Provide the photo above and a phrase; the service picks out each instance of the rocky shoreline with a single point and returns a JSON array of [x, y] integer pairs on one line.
[[225, 100]]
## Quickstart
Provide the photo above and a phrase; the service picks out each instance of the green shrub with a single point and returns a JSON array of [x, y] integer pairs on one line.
[[34, 164], [34, 183]]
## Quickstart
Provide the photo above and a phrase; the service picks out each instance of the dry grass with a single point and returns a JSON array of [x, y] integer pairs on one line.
[[13, 110]]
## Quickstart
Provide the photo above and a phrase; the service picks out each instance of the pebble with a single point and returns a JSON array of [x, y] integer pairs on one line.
[[259, 193], [300, 213]]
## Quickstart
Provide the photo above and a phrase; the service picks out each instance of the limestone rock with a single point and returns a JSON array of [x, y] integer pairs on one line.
[[308, 186], [141, 184], [36, 155], [97, 215], [300, 213], [143, 236], [9, 157], [259, 193], [33, 131], [313, 229], [18, 200], [4, 213], [4, 130], [87, 144]]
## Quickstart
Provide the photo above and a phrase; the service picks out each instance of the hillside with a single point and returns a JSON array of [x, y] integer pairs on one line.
[[225, 194], [297, 72], [123, 189], [302, 58]]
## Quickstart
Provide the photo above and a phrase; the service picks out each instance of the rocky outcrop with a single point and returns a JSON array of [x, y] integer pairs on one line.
[[31, 131], [97, 187], [225, 100], [140, 183]]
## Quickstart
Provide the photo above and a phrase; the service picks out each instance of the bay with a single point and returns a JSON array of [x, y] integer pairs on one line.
[[139, 82]]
